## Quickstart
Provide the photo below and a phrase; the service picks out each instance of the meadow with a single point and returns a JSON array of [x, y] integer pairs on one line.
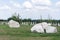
[[24, 33]]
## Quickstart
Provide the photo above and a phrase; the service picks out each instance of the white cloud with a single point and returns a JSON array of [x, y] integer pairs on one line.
[[41, 2], [4, 7], [58, 4], [15, 4], [42, 7], [27, 5], [29, 9]]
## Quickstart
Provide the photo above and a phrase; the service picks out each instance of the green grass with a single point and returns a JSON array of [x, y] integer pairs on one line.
[[24, 33]]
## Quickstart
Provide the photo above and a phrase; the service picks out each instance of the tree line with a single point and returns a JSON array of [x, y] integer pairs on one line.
[[20, 20]]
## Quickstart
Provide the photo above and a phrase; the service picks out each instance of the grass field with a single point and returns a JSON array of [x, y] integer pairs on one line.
[[24, 33]]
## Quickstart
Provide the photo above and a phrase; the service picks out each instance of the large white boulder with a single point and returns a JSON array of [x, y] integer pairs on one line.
[[41, 27], [37, 28], [44, 25], [51, 29], [13, 24]]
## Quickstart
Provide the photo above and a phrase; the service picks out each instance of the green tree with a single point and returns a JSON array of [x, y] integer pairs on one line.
[[15, 18]]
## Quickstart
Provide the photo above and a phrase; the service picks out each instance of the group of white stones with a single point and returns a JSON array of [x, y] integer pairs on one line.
[[39, 28]]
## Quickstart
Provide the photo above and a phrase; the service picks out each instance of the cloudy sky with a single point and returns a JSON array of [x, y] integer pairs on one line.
[[33, 9]]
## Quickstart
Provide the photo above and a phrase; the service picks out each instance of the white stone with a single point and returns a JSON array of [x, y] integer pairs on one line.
[[39, 28], [13, 24], [51, 29], [44, 25]]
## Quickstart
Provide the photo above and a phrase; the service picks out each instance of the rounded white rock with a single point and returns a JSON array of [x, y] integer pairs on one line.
[[13, 24]]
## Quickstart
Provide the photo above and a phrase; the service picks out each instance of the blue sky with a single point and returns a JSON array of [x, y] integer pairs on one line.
[[33, 9]]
